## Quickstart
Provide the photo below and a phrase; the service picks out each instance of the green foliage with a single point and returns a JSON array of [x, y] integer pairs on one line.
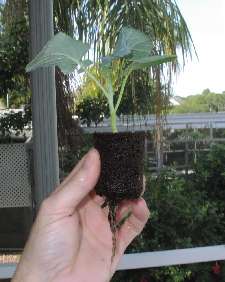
[[210, 175], [179, 212], [14, 123], [205, 102], [131, 41], [62, 51], [18, 98], [99, 22], [132, 50], [184, 214], [68, 159], [139, 96], [13, 58], [14, 44], [92, 109]]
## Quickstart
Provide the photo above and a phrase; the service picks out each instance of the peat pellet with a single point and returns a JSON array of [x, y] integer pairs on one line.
[[122, 165]]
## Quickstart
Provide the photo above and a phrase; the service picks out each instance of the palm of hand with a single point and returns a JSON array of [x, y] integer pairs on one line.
[[81, 239], [71, 238]]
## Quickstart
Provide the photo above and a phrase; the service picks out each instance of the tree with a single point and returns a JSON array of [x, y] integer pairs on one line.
[[207, 101], [99, 22], [14, 37]]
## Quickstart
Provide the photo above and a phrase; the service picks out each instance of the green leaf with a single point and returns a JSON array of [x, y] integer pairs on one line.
[[138, 55], [62, 51], [131, 41], [106, 62], [84, 64], [150, 61]]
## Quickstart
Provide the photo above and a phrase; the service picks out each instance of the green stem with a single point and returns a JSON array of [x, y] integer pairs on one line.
[[113, 120], [122, 89], [109, 93]]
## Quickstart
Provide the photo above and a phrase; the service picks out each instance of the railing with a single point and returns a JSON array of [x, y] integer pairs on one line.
[[153, 259], [173, 121]]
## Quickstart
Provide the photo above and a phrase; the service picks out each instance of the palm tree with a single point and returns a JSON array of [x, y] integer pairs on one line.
[[99, 22]]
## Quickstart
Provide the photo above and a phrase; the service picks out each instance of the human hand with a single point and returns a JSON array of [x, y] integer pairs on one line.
[[71, 239]]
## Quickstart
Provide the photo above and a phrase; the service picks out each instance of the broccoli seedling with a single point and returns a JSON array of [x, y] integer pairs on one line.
[[132, 52]]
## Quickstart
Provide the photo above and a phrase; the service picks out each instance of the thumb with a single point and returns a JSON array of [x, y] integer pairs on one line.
[[78, 184]]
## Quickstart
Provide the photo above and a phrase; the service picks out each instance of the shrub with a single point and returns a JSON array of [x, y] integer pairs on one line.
[[181, 216], [92, 109], [14, 123]]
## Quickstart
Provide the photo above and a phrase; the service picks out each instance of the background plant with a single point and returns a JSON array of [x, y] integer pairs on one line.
[[184, 214], [14, 38], [92, 109], [207, 101], [14, 123]]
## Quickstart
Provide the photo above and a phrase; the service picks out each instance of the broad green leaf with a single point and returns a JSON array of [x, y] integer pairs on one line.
[[106, 62], [62, 51], [84, 64], [137, 55], [151, 61], [131, 40]]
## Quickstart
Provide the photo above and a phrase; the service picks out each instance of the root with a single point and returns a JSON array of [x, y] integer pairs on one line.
[[113, 226]]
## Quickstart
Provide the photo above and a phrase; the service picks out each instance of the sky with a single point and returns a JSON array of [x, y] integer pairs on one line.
[[206, 22]]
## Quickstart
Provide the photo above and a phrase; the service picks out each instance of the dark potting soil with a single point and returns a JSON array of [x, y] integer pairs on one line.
[[122, 164]]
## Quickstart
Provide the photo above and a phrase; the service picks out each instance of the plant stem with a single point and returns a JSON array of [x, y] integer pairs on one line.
[[113, 120], [128, 72], [109, 93]]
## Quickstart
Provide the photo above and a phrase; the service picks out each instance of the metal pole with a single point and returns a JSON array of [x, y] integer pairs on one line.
[[7, 100], [211, 132], [44, 115], [186, 152]]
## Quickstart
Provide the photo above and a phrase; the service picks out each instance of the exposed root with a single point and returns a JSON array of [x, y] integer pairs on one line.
[[113, 226]]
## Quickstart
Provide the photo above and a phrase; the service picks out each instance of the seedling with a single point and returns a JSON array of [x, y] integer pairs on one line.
[[132, 52]]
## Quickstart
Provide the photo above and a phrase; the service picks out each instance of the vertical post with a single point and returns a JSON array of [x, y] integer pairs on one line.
[[186, 153], [7, 100], [211, 132], [146, 148], [195, 146], [159, 123], [44, 115]]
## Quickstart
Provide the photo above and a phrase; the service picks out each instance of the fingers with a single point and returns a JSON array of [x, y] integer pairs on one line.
[[78, 184], [96, 198], [74, 171], [134, 224]]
